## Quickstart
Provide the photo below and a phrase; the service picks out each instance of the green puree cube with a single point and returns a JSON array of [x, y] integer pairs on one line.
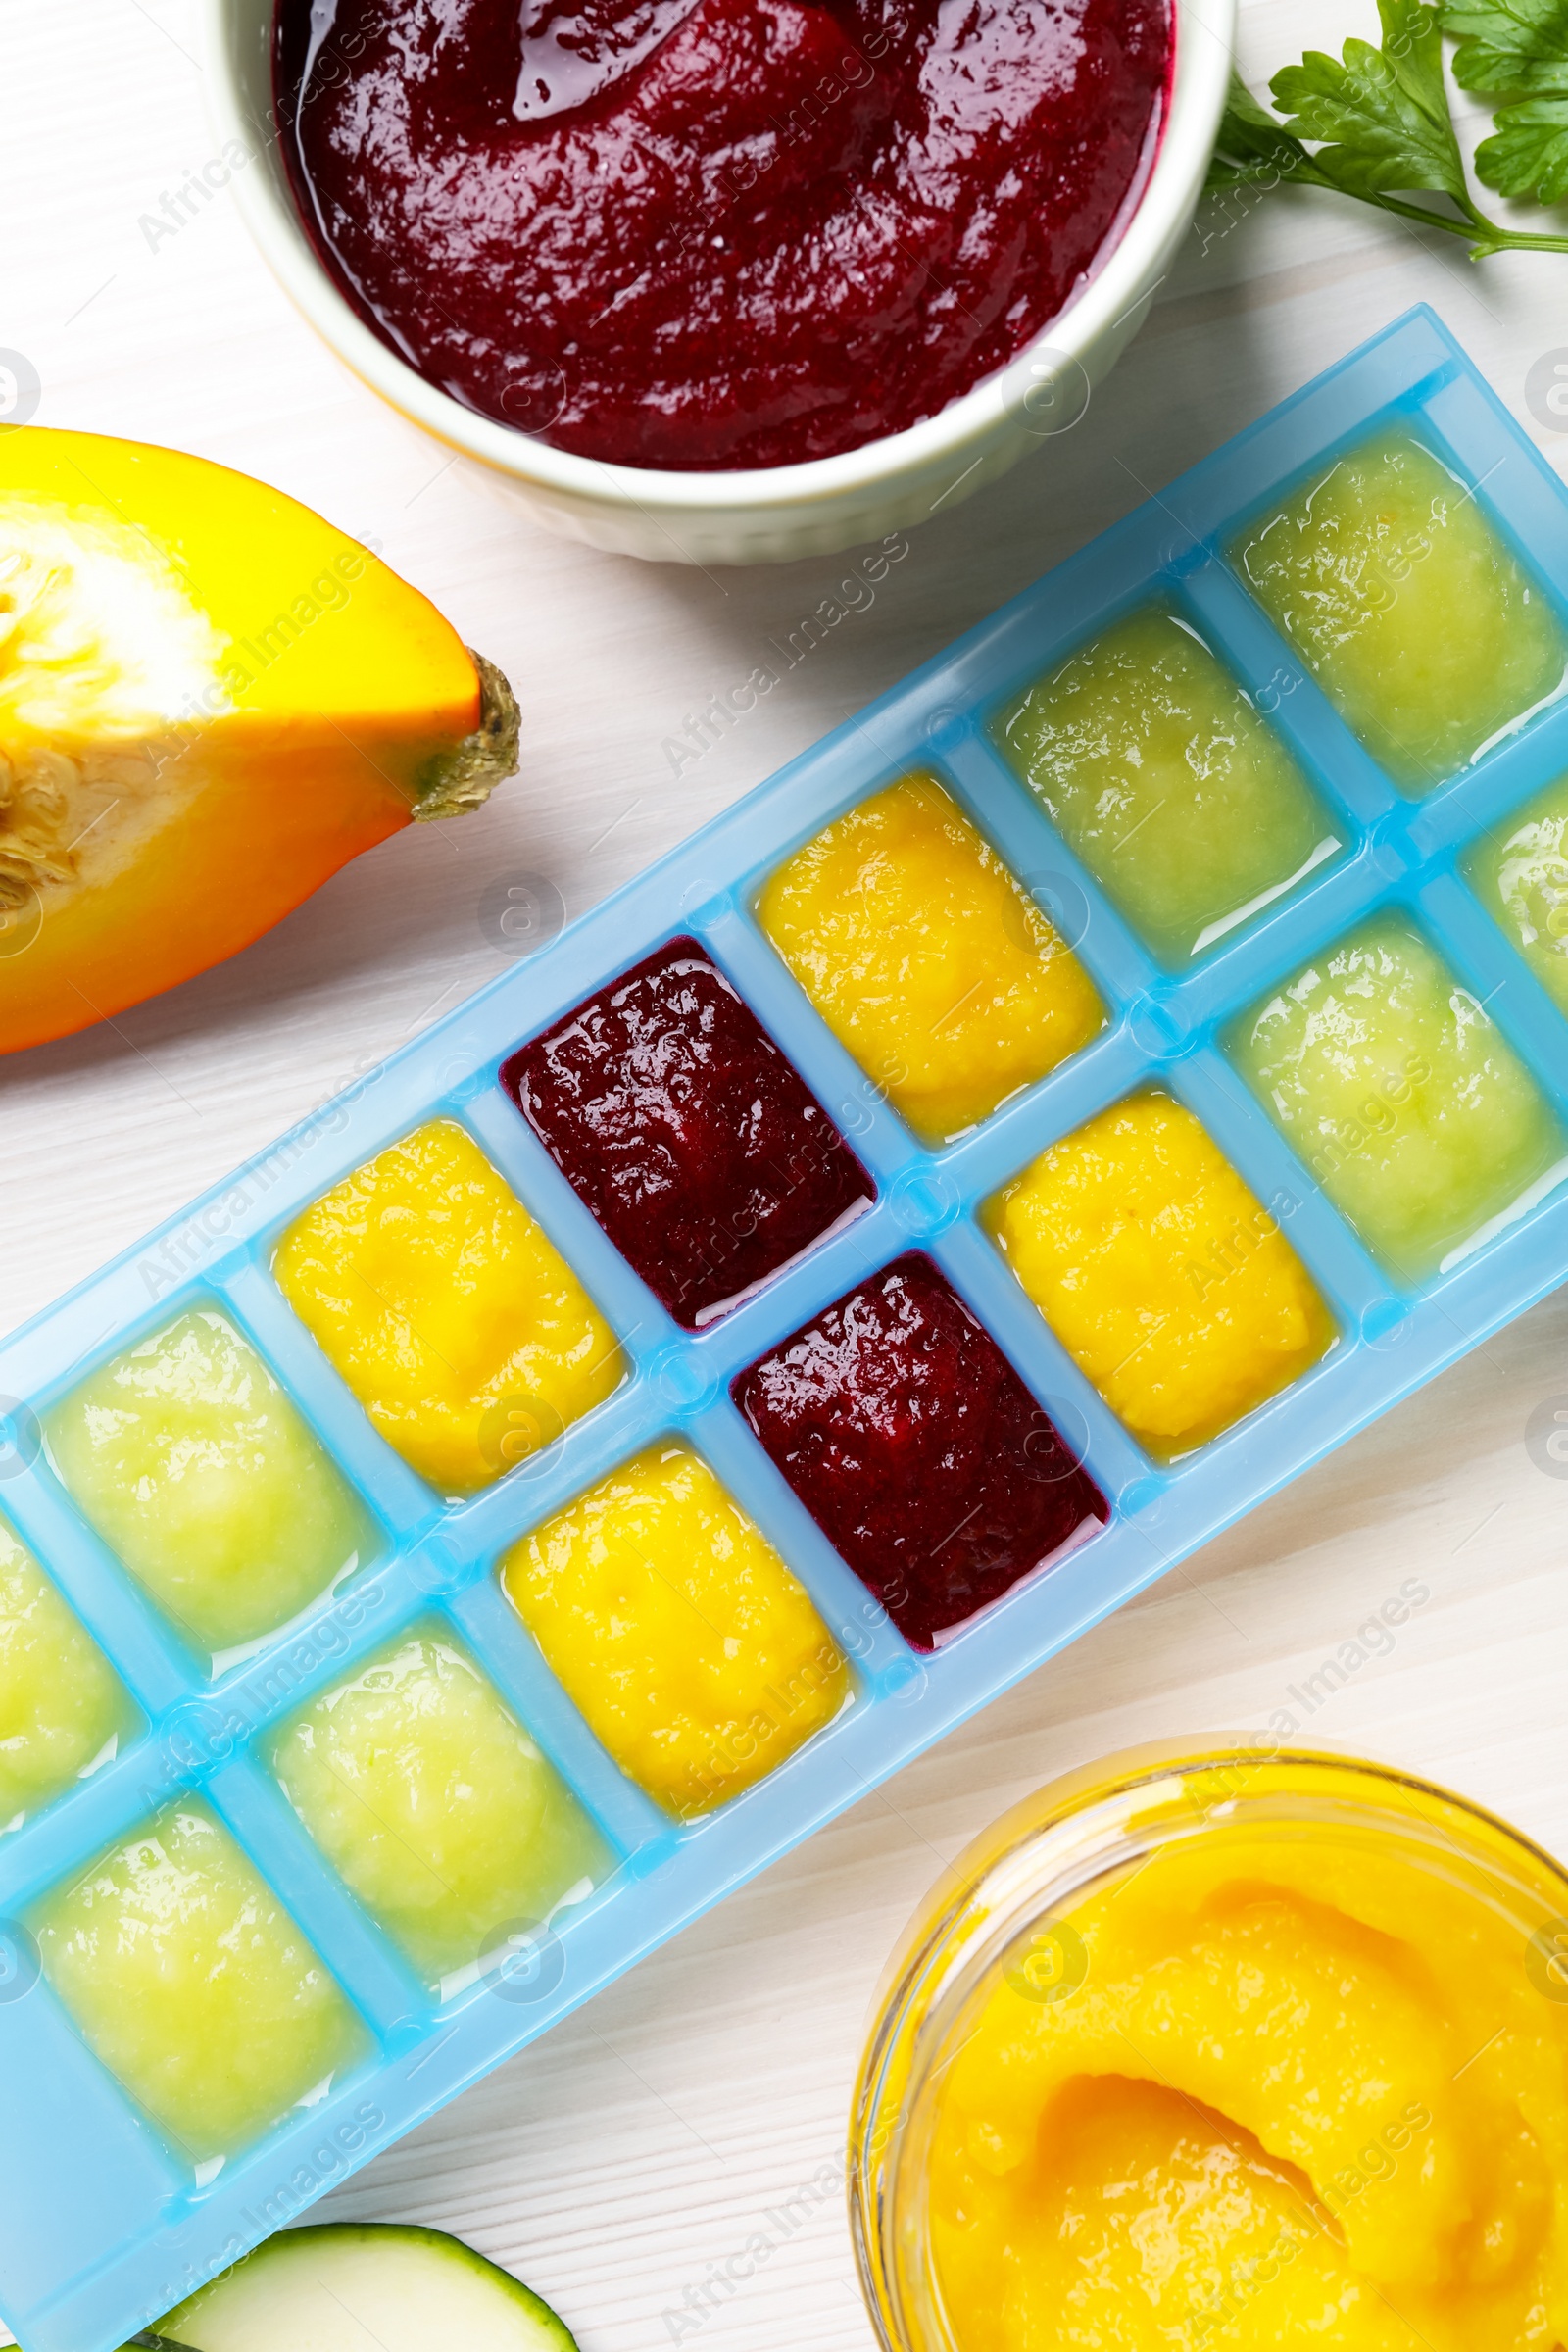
[[193, 1986], [63, 1708], [1520, 874], [1404, 602], [1394, 1087], [195, 1468], [433, 1803], [1183, 802]]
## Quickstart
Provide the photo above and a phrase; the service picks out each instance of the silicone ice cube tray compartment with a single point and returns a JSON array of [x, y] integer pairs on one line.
[[102, 2226]]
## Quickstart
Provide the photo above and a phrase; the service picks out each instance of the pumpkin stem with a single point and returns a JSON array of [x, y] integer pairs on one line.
[[464, 779]]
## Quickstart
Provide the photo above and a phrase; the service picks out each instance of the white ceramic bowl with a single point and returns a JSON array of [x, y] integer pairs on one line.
[[763, 515]]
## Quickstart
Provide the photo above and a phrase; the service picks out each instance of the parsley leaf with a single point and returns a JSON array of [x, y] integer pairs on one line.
[[1383, 113], [1374, 122], [1253, 149], [1527, 154], [1518, 48], [1510, 47]]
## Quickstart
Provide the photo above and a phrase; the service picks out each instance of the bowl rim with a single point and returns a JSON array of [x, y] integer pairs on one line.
[[1132, 266], [1066, 1839]]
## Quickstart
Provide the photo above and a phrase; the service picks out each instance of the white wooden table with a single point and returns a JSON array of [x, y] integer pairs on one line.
[[702, 2100]]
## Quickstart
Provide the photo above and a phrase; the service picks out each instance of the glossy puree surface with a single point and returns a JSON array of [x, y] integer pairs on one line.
[[1397, 1090], [705, 233], [1167, 780], [697, 1145], [206, 1480], [1167, 1280], [63, 1708], [435, 1804], [928, 959], [671, 1622], [193, 1986], [1404, 601], [917, 1449], [446, 1310], [1519, 871], [1273, 2087]]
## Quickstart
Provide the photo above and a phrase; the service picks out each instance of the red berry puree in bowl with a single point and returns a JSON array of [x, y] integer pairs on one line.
[[917, 1449], [714, 234]]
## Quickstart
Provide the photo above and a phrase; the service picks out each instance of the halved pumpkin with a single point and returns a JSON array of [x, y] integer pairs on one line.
[[209, 700]]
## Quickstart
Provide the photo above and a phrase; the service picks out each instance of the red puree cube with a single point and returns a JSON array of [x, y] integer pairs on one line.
[[698, 1147], [917, 1449]]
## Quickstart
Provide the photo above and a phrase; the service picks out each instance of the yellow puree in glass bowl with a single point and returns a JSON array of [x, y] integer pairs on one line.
[[1263, 2092]]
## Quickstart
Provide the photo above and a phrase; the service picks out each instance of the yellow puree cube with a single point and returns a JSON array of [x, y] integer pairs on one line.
[[1164, 1278], [927, 959], [61, 1702], [462, 1332], [193, 1986], [673, 1625]]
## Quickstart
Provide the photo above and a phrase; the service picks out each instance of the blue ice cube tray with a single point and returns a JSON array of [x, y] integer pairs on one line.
[[102, 2225]]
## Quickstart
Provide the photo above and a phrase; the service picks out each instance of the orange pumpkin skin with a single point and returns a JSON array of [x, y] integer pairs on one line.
[[209, 700]]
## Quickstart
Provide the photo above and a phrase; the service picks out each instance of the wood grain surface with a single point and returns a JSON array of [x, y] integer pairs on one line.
[[701, 2102]]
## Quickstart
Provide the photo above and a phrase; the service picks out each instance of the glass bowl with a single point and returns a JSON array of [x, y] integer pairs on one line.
[[1004, 1911]]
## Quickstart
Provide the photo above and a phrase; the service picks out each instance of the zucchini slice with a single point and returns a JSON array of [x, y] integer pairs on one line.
[[364, 2286]]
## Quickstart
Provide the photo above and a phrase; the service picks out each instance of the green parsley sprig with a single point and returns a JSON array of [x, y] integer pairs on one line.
[[1375, 123]]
